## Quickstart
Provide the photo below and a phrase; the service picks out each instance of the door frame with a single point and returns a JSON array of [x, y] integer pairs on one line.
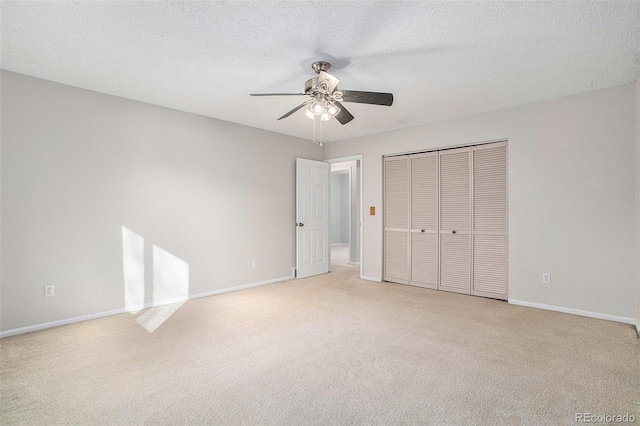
[[360, 158]]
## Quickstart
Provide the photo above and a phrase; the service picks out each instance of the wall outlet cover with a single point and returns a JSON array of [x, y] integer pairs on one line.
[[48, 290]]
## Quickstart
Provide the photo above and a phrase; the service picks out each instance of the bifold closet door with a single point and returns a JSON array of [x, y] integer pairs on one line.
[[396, 219], [424, 220], [455, 221], [490, 221]]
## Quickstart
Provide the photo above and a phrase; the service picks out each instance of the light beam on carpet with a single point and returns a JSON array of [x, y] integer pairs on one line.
[[154, 317]]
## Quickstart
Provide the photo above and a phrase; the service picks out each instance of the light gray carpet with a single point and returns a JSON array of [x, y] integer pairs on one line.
[[325, 350]]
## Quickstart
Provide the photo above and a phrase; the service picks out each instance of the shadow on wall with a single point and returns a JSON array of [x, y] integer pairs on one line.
[[170, 281]]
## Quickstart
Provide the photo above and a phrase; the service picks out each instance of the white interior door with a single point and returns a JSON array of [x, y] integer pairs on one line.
[[312, 218]]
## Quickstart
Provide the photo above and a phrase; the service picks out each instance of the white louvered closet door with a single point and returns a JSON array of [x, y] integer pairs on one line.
[[489, 275], [396, 219], [455, 221], [424, 220]]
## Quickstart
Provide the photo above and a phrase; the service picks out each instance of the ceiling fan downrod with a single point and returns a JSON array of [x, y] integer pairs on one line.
[[320, 66]]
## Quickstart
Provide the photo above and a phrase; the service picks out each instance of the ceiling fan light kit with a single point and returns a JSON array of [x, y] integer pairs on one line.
[[325, 97]]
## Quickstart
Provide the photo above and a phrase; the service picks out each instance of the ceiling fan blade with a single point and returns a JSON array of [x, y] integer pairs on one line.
[[343, 116], [276, 94], [373, 98], [295, 109], [326, 82]]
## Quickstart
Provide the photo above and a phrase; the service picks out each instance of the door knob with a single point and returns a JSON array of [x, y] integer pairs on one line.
[[301, 224], [422, 230], [455, 232]]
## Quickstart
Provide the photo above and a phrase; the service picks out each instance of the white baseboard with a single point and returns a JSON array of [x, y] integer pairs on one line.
[[241, 287], [364, 277], [43, 326], [572, 311], [354, 263]]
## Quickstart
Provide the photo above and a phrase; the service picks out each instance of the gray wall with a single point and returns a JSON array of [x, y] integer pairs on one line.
[[203, 198], [572, 189]]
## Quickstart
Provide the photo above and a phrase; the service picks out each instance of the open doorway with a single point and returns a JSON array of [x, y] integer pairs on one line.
[[345, 213]]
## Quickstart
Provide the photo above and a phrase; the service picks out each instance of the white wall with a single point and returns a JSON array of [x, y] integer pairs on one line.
[[571, 194], [205, 196]]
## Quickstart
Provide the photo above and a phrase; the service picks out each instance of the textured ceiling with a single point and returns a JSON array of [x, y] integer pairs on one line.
[[439, 59]]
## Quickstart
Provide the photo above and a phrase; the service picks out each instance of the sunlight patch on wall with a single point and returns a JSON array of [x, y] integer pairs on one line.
[[170, 277], [170, 289], [170, 281], [133, 270]]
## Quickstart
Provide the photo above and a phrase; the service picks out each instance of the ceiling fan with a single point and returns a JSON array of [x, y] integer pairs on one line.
[[325, 98]]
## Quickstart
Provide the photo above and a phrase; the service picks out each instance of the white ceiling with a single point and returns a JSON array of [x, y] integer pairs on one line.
[[439, 59]]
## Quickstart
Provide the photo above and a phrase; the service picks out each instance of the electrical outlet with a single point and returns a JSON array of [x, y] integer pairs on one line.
[[255, 262], [546, 278], [48, 290]]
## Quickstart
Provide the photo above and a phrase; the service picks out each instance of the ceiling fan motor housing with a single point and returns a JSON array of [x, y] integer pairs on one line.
[[310, 85]]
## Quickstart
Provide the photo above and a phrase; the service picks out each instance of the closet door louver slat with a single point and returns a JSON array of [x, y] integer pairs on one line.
[[490, 265], [454, 263], [396, 256]]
